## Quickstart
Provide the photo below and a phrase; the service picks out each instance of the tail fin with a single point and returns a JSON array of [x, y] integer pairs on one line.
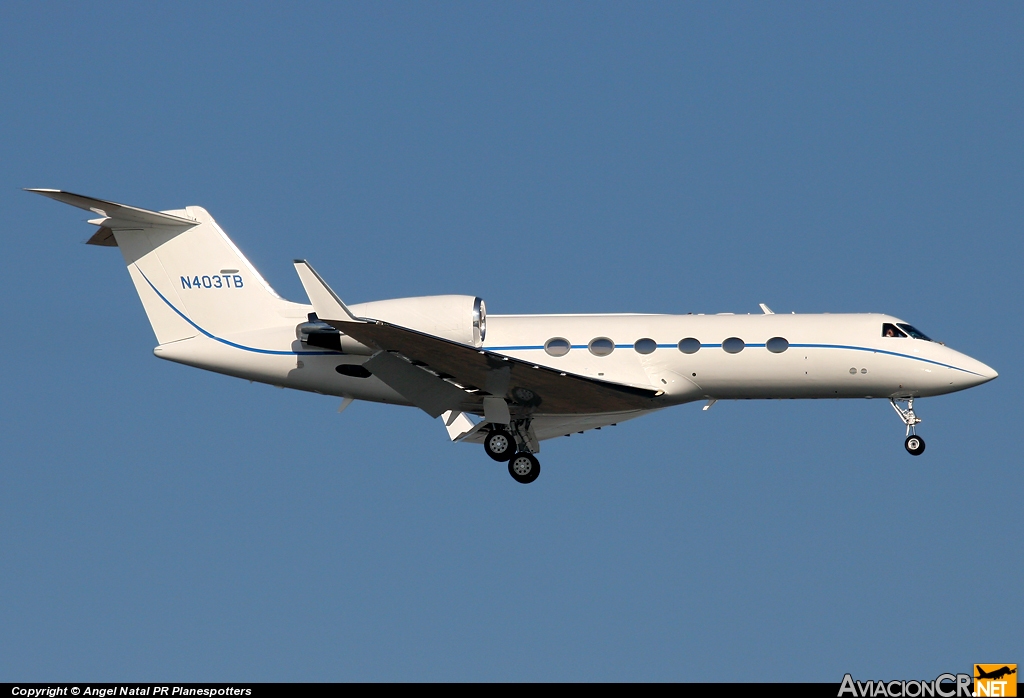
[[189, 275]]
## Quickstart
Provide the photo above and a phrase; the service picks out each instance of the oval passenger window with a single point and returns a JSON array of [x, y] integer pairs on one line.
[[777, 345], [602, 346], [689, 345], [645, 346], [557, 346], [733, 345]]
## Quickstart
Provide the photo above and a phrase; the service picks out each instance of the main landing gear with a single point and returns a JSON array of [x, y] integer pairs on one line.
[[501, 445], [914, 443], [524, 467]]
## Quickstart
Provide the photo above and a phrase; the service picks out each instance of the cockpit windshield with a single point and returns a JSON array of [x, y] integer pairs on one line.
[[902, 329], [913, 331]]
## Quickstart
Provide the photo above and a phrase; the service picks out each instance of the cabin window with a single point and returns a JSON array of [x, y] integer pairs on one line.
[[645, 346], [777, 345], [913, 331], [352, 371], [557, 346], [733, 345], [602, 346], [689, 345], [890, 330]]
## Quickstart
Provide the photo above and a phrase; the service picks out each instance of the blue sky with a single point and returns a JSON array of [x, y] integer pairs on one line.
[[164, 523]]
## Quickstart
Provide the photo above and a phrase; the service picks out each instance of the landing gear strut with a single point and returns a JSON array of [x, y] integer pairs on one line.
[[914, 443]]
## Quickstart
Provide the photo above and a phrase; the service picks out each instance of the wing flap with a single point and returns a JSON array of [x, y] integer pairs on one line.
[[428, 392]]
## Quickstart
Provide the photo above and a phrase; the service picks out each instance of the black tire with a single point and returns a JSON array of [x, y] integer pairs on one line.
[[500, 445], [914, 445], [524, 467]]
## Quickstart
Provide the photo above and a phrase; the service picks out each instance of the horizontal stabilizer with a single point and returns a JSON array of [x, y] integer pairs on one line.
[[325, 301], [118, 216]]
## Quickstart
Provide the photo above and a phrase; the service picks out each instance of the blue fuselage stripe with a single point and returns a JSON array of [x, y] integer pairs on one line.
[[534, 347], [881, 351], [757, 346], [235, 345]]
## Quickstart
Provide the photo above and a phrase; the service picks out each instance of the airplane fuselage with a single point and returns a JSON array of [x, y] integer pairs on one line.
[[524, 378], [689, 357]]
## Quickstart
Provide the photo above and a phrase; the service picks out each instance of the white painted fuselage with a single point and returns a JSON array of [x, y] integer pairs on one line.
[[211, 309], [828, 356]]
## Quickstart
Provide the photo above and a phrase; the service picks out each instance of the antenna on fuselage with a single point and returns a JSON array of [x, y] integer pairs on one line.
[[766, 310]]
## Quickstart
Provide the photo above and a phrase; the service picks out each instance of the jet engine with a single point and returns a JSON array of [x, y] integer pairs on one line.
[[461, 319]]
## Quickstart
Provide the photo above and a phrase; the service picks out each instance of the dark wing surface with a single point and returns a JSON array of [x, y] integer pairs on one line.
[[527, 387]]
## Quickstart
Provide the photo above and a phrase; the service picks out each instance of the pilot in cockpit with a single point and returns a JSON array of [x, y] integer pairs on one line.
[[903, 330]]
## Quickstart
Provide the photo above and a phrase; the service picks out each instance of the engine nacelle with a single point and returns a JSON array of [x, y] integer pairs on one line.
[[461, 319]]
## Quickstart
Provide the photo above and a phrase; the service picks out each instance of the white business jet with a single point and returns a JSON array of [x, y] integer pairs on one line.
[[505, 381]]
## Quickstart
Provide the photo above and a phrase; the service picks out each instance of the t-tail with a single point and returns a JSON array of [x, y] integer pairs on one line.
[[191, 278]]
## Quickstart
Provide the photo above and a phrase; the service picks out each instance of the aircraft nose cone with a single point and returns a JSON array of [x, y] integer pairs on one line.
[[981, 373], [989, 373], [967, 371]]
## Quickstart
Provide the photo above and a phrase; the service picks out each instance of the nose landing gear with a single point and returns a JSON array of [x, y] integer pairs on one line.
[[914, 443]]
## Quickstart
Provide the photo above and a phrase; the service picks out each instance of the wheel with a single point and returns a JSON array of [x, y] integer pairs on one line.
[[524, 467], [914, 445], [499, 445]]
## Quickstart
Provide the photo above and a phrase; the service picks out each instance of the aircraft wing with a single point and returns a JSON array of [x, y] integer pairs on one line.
[[528, 388]]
